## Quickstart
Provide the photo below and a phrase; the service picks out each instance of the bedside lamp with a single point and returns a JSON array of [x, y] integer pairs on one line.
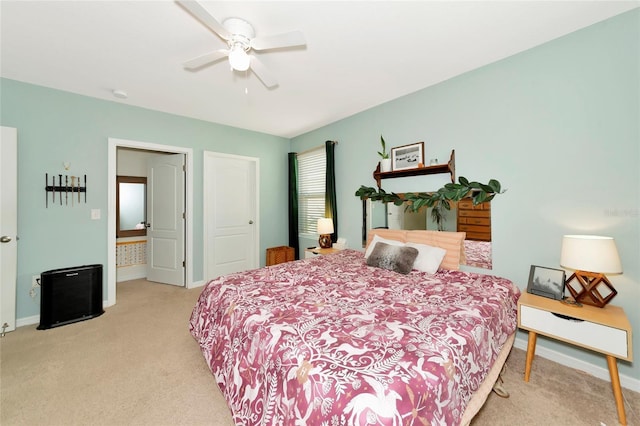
[[591, 257], [325, 229]]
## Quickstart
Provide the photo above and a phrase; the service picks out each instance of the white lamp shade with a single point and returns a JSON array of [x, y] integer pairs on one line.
[[325, 226], [590, 253]]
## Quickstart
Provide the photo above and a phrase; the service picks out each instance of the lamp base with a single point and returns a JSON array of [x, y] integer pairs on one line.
[[325, 241], [590, 288]]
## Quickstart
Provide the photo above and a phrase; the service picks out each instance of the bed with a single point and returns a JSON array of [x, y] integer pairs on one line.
[[343, 340], [478, 254]]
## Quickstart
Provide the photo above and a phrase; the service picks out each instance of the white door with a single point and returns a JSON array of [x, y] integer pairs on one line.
[[166, 219], [8, 227], [230, 211], [395, 216]]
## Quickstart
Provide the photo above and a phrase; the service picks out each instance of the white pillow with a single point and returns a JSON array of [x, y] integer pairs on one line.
[[429, 258], [375, 239]]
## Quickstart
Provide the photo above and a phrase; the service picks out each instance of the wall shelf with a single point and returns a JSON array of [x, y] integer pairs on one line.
[[449, 167]]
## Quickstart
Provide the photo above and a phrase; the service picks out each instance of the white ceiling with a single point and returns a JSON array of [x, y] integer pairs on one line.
[[358, 54]]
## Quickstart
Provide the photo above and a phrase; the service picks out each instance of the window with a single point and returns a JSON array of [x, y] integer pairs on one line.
[[312, 169]]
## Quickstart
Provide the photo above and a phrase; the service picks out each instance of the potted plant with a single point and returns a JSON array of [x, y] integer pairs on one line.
[[385, 161]]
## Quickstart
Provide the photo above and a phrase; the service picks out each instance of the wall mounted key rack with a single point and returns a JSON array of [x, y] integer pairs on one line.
[[65, 190]]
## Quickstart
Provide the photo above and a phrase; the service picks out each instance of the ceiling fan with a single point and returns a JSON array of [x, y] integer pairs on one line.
[[240, 38]]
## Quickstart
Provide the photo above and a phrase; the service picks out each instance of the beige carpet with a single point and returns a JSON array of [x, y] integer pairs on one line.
[[137, 364]]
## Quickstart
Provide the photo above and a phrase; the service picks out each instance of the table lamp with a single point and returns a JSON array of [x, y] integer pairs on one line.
[[591, 257], [325, 229]]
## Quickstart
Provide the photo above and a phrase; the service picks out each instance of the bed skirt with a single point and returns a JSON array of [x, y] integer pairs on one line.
[[480, 396]]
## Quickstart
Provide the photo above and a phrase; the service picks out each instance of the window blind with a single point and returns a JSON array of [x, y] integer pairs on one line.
[[312, 168]]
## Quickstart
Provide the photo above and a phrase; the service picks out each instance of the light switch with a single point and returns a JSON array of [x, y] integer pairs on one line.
[[95, 214]]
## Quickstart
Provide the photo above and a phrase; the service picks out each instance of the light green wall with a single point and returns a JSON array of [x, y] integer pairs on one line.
[[55, 126], [557, 125]]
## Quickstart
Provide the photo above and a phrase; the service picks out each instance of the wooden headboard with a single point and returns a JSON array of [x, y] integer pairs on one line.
[[452, 242]]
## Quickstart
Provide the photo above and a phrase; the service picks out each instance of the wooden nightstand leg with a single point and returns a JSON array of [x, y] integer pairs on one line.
[[531, 351], [617, 390]]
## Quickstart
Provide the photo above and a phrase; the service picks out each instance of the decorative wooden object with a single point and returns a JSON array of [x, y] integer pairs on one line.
[[325, 241], [583, 286], [280, 254], [449, 167]]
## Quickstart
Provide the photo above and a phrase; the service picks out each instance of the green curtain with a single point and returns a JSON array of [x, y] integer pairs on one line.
[[293, 203], [330, 203]]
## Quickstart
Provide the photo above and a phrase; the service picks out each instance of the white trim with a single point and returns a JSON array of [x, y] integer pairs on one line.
[[9, 223], [114, 143], [21, 322], [200, 283], [131, 272], [35, 319], [568, 361]]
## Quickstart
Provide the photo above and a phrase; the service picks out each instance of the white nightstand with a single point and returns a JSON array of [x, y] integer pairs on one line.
[[605, 330], [315, 252]]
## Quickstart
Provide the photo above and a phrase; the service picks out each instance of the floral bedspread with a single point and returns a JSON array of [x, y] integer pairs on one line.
[[478, 253], [332, 341]]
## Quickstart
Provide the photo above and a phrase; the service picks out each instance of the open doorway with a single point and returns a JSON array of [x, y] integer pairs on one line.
[[155, 150], [149, 216]]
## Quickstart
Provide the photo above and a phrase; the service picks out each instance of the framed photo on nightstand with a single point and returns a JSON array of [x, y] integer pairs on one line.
[[546, 282]]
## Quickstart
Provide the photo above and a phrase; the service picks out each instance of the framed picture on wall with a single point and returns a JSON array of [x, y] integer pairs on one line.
[[546, 282], [407, 157]]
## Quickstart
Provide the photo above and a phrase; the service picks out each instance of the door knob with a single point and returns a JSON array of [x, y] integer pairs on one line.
[[5, 239], [250, 222]]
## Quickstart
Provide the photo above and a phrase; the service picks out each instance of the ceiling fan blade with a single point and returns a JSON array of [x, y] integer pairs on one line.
[[294, 38], [262, 73], [205, 59], [205, 17]]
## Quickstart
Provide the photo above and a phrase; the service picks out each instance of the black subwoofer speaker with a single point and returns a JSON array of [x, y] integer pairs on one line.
[[69, 295]]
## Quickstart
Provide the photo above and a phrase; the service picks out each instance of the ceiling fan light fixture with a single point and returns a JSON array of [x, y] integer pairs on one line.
[[241, 40], [238, 58]]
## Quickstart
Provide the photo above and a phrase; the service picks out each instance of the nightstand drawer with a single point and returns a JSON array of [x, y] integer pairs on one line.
[[587, 334]]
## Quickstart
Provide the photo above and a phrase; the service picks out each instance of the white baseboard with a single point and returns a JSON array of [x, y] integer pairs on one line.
[[21, 322], [35, 319], [599, 372], [134, 272], [196, 284]]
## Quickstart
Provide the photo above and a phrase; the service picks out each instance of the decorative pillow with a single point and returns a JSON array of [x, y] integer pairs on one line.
[[452, 242], [429, 258], [392, 257], [377, 239]]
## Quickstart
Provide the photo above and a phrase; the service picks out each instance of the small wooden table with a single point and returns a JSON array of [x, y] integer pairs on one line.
[[605, 330], [314, 252]]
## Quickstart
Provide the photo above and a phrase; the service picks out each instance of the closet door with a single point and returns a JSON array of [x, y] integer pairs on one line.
[[8, 227], [231, 214]]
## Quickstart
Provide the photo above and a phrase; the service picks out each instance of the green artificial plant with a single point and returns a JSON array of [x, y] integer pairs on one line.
[[383, 154], [438, 200]]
